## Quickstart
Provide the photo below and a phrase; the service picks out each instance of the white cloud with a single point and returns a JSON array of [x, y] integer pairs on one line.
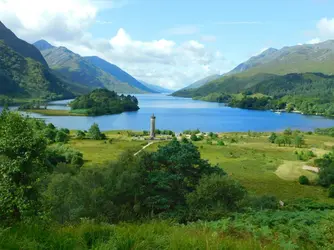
[[35, 19], [325, 27], [314, 41], [182, 30], [163, 62]]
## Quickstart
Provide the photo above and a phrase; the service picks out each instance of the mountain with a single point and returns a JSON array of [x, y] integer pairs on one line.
[[43, 45], [23, 77], [254, 61], [261, 68], [118, 73], [20, 46], [80, 71], [157, 88], [201, 82], [294, 59]]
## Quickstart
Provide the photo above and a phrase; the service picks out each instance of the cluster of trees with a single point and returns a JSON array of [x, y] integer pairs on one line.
[[288, 137], [40, 177], [309, 93], [33, 105], [103, 101], [6, 101]]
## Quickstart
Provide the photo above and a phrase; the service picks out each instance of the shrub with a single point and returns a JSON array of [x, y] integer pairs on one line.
[[264, 202], [331, 191], [95, 133], [272, 137], [61, 136], [214, 196], [193, 137], [220, 143], [80, 135], [303, 180]]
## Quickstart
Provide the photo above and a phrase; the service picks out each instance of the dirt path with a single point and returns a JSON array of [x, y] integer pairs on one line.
[[310, 168], [144, 147]]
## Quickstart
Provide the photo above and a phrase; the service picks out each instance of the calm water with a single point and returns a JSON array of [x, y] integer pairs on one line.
[[179, 114]]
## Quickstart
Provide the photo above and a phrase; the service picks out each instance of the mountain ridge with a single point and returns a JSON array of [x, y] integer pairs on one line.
[[77, 69], [19, 45], [117, 72]]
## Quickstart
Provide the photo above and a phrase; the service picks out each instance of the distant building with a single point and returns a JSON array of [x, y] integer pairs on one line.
[[152, 131]]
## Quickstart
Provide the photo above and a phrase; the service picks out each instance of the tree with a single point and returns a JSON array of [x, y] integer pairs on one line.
[[214, 196], [61, 136], [288, 131], [170, 173], [22, 166], [299, 141], [272, 137], [280, 140], [80, 135], [193, 137], [95, 133], [221, 143], [303, 180]]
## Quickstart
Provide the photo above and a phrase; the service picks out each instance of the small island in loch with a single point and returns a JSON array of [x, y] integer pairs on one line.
[[98, 102]]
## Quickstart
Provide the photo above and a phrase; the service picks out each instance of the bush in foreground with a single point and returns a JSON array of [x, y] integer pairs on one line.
[[303, 180]]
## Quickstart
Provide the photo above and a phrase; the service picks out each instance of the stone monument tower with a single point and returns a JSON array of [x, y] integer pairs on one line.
[[152, 131]]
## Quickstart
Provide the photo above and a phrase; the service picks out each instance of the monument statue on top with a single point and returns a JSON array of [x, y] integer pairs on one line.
[[152, 131]]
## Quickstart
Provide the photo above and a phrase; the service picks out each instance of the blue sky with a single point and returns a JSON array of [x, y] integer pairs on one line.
[[171, 43], [241, 27]]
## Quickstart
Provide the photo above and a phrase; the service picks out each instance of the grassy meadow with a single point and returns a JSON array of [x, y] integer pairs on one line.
[[262, 167]]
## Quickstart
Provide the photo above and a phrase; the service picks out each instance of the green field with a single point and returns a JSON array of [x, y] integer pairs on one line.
[[262, 167], [54, 112]]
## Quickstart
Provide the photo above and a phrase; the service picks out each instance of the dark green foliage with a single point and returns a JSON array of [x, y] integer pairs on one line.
[[310, 93], [145, 133], [305, 155], [272, 137], [299, 141], [189, 132], [103, 101], [62, 136], [220, 143], [331, 191], [193, 137], [80, 135], [33, 105], [303, 180], [184, 140], [325, 131], [21, 47], [95, 133], [23, 77], [264, 202], [172, 172], [22, 164], [215, 196], [64, 154], [326, 169]]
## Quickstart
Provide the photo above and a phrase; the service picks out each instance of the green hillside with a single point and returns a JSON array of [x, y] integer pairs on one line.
[[76, 69], [22, 77], [295, 59], [310, 93], [20, 46]]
